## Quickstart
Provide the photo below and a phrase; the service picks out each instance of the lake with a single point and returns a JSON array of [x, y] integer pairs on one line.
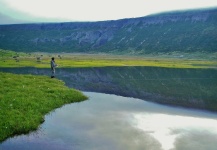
[[106, 122], [130, 116]]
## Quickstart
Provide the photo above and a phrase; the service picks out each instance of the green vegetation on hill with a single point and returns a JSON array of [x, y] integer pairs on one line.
[[187, 31], [25, 99]]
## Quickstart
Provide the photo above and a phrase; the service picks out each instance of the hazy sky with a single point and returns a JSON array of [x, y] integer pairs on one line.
[[17, 11]]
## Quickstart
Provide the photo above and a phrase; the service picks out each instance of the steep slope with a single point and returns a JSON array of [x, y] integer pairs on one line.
[[186, 31]]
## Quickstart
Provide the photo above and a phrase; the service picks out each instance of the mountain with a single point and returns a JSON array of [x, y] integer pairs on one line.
[[183, 31]]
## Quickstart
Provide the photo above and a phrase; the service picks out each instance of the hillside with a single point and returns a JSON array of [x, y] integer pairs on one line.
[[184, 31]]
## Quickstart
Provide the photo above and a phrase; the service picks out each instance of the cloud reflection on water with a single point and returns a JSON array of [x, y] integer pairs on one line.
[[106, 122], [169, 129]]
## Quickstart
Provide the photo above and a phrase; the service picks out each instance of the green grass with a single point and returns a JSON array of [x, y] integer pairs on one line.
[[8, 53], [100, 60], [25, 99]]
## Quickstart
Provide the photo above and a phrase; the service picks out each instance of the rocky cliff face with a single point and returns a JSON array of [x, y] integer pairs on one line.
[[174, 31]]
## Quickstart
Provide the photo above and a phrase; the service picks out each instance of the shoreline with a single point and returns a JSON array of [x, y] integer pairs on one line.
[[26, 99]]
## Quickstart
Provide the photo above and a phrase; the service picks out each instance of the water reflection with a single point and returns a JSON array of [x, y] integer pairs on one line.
[[183, 87], [106, 122]]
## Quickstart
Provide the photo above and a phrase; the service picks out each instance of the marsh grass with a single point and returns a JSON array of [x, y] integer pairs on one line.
[[76, 60], [25, 99]]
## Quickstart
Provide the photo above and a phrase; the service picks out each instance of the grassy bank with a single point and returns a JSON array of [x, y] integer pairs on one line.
[[42, 60], [25, 99]]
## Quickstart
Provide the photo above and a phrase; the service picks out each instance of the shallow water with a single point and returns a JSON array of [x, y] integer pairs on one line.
[[106, 122]]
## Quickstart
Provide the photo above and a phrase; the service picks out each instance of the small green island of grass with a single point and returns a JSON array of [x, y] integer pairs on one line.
[[26, 99]]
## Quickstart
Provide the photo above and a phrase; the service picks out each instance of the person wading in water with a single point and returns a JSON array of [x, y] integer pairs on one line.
[[53, 66]]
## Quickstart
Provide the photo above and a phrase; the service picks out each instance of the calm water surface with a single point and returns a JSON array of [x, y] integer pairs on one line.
[[110, 122]]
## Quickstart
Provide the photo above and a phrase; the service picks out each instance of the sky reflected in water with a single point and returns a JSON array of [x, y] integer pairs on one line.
[[106, 122]]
